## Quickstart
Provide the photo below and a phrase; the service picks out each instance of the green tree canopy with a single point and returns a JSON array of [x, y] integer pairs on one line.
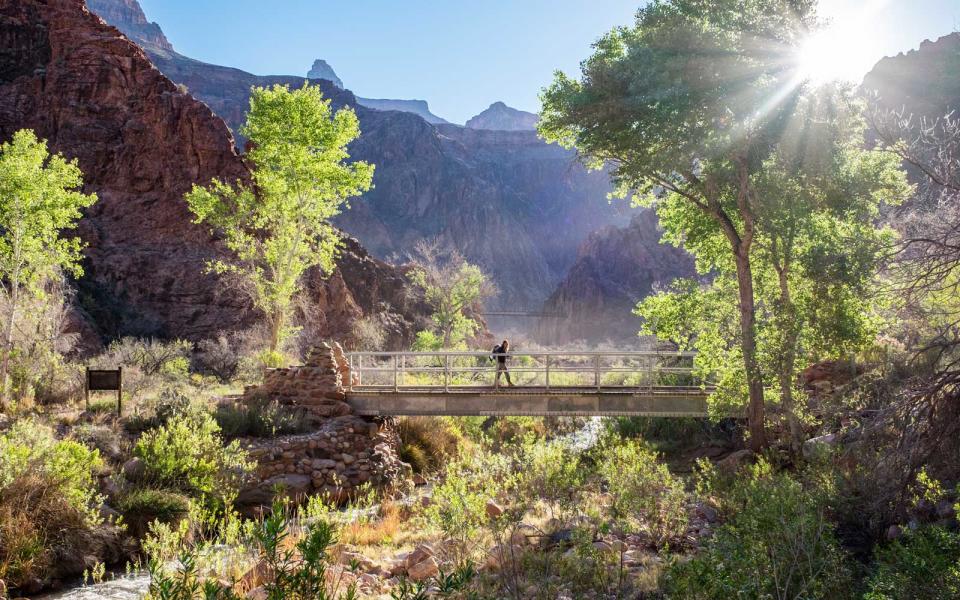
[[279, 227], [701, 109], [40, 198], [451, 286]]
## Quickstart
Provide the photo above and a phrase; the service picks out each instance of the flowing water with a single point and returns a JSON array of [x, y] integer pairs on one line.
[[124, 587]]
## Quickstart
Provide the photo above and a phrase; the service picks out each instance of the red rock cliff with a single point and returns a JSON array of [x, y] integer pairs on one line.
[[142, 143]]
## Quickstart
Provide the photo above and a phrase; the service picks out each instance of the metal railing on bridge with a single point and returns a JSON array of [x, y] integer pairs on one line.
[[593, 372]]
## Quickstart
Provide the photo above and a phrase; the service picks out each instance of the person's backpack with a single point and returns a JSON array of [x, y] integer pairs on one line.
[[496, 350]]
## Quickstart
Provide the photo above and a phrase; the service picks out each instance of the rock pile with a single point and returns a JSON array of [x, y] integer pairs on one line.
[[319, 386], [344, 453]]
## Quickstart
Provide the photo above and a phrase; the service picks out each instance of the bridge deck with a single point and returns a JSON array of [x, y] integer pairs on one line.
[[549, 384], [530, 401]]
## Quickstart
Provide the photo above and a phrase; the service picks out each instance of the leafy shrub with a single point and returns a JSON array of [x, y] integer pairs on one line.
[[551, 471], [266, 419], [31, 448], [459, 501], [292, 569], [923, 565], [38, 522], [643, 491], [778, 543], [187, 453], [142, 506]]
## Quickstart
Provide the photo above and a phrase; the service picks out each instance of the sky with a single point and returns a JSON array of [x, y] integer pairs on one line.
[[462, 55]]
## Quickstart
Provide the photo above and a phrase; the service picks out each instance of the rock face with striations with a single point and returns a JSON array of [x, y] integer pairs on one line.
[[504, 118], [616, 268], [509, 202], [142, 143]]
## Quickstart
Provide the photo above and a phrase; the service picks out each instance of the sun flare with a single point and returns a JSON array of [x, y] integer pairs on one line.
[[841, 52]]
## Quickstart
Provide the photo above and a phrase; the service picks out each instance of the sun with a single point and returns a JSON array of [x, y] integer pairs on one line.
[[840, 52]]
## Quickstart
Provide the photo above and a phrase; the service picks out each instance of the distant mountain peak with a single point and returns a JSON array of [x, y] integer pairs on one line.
[[128, 17], [322, 70], [501, 117]]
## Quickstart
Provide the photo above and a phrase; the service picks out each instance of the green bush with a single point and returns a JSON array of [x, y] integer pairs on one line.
[[142, 506], [187, 453], [777, 543], [644, 493], [923, 565]]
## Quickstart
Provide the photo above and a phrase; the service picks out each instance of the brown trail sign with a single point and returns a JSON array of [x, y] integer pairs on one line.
[[102, 380]]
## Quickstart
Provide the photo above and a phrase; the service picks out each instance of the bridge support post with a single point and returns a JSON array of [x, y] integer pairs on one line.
[[548, 371], [596, 371], [446, 373], [396, 383]]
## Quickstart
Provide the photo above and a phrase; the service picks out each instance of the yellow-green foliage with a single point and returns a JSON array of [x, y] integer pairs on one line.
[[643, 491], [188, 453], [30, 448]]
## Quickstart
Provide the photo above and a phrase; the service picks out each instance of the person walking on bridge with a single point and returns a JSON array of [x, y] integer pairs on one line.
[[501, 353]]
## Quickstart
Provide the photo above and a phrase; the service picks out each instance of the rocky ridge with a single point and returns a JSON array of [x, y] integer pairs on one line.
[[501, 117], [322, 70]]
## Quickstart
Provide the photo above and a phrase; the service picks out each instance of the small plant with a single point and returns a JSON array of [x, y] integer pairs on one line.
[[140, 507]]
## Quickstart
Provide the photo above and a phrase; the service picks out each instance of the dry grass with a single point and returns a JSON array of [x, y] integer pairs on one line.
[[384, 530], [429, 441], [36, 520]]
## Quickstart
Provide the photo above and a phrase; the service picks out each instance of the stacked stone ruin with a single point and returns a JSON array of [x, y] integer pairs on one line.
[[319, 385], [345, 452]]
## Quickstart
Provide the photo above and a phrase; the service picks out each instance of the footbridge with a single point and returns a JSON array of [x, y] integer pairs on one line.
[[656, 384]]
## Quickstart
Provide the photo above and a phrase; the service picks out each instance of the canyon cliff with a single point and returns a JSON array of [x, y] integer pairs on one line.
[[509, 202], [142, 142], [615, 268]]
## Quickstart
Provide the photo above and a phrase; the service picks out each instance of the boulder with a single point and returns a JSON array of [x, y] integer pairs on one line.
[[819, 446], [494, 510], [424, 569], [133, 470], [419, 554]]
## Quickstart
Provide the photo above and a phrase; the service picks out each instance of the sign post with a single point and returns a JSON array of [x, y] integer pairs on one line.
[[100, 380]]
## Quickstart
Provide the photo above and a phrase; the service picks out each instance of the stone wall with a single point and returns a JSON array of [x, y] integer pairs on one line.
[[343, 453]]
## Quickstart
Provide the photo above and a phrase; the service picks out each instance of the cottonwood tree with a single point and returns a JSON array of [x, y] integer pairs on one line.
[[450, 286], [278, 226], [40, 198], [689, 107], [815, 259]]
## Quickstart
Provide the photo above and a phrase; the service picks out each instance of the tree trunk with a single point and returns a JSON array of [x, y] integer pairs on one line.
[[789, 361], [755, 411], [276, 330], [8, 344]]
